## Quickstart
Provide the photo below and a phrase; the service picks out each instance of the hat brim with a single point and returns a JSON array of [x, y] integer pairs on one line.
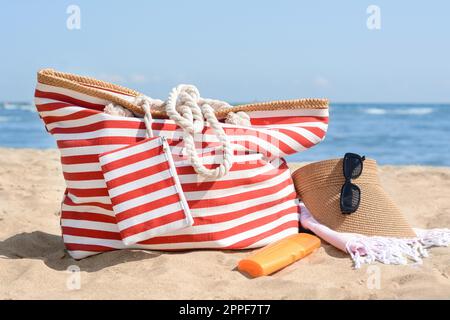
[[377, 214]]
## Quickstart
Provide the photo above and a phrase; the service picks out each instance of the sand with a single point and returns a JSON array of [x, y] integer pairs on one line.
[[33, 262]]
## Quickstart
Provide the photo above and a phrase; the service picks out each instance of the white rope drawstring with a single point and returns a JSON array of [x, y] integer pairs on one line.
[[189, 111], [145, 102], [116, 110], [185, 107], [239, 118]]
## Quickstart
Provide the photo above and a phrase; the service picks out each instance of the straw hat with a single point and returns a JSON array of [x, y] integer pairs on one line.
[[319, 185]]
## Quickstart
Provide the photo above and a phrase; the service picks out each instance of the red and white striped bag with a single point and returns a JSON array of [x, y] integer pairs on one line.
[[236, 185]]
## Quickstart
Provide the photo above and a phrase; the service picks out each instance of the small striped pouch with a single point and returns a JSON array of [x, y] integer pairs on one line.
[[145, 191]]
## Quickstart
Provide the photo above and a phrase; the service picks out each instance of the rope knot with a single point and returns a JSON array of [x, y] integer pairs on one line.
[[189, 111]]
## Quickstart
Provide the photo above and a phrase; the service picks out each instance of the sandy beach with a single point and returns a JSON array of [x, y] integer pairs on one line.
[[33, 262]]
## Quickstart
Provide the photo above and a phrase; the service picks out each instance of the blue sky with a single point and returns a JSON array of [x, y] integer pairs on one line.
[[235, 50]]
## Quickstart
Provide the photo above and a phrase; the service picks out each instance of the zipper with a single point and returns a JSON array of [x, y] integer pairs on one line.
[[174, 174]]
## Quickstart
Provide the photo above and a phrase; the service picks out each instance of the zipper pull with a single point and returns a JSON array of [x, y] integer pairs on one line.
[[164, 143]]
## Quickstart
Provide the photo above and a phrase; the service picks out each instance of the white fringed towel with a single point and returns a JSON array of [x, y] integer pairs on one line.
[[366, 250]]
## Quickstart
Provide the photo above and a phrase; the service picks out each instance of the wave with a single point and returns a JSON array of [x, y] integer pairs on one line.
[[18, 106], [399, 111], [375, 111], [11, 119]]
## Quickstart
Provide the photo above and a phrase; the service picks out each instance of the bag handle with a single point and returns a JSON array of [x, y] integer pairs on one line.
[[115, 94], [144, 102], [189, 111]]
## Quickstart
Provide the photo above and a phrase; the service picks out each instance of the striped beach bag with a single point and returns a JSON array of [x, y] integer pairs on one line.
[[185, 173]]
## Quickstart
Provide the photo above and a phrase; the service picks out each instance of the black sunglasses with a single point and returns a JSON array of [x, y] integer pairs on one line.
[[351, 193]]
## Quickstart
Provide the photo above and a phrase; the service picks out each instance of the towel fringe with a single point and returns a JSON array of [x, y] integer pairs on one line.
[[366, 250]]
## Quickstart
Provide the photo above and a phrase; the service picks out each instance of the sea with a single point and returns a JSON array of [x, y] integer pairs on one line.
[[394, 134]]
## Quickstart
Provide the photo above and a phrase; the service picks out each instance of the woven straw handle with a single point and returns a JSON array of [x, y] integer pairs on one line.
[[111, 92]]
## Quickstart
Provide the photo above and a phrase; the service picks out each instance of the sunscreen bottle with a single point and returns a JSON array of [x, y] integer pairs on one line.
[[279, 254]]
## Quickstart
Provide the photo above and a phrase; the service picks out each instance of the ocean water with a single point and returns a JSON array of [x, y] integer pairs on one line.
[[390, 133]]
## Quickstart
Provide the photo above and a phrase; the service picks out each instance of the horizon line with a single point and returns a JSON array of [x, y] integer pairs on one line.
[[255, 101]]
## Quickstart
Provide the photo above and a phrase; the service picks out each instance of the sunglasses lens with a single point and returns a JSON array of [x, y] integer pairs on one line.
[[350, 198], [352, 166]]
